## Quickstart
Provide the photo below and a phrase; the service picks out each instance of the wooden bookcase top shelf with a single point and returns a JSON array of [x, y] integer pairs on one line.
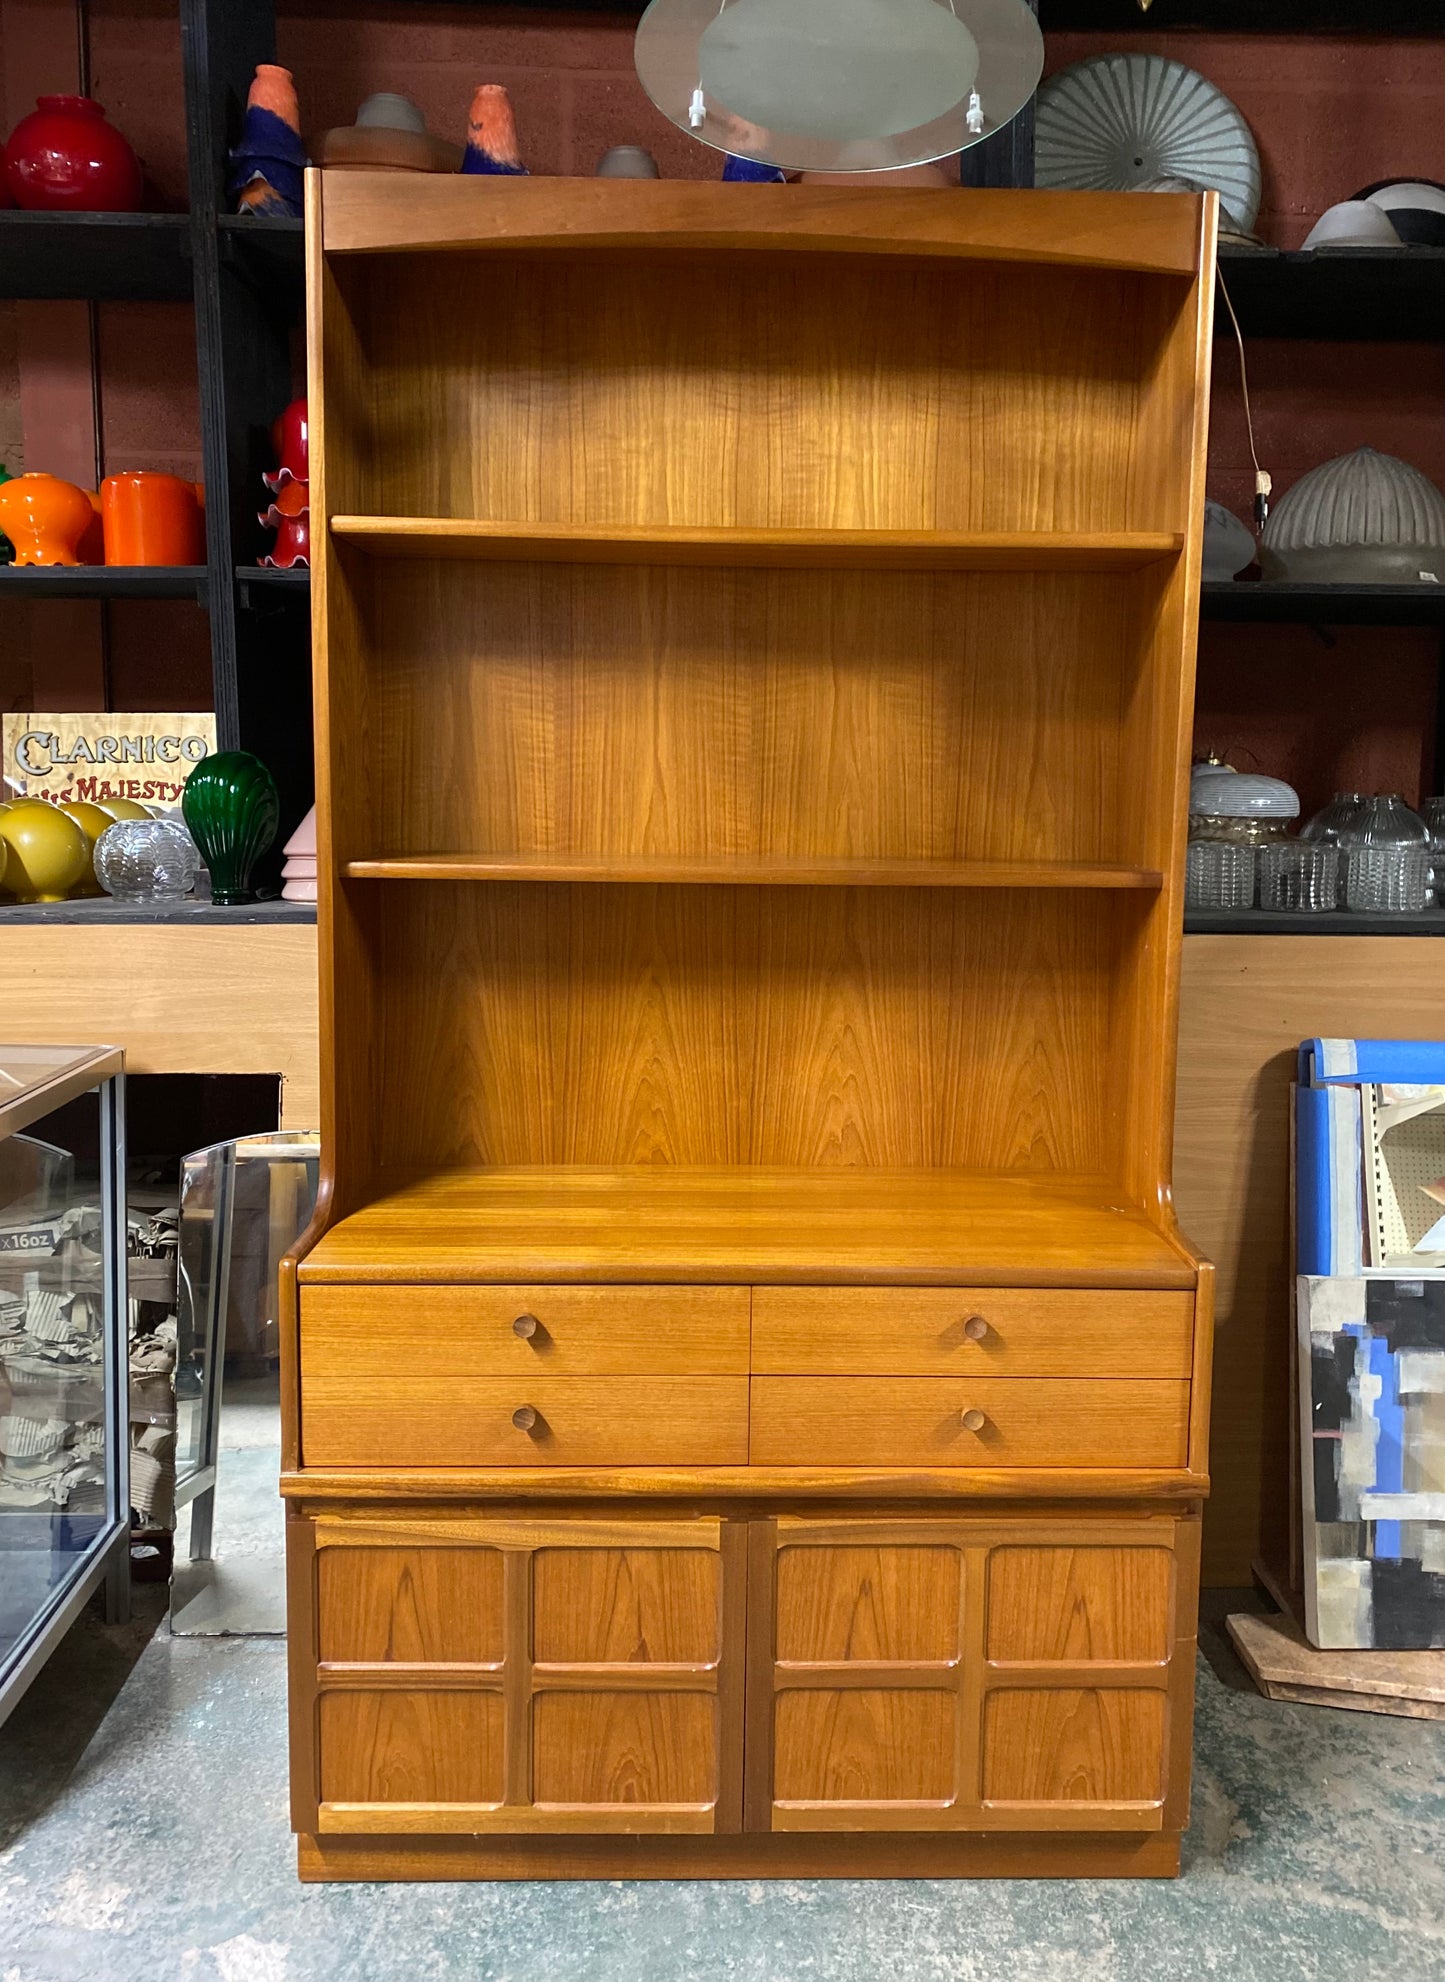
[[740, 1224], [799, 550], [673, 217]]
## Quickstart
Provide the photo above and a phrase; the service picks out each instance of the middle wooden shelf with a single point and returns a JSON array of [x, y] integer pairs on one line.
[[752, 870], [877, 550]]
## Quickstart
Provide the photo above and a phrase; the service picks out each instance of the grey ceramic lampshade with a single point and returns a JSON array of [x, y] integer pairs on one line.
[[1364, 518], [839, 85]]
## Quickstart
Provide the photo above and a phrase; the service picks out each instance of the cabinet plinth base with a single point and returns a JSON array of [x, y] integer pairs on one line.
[[1043, 1855]]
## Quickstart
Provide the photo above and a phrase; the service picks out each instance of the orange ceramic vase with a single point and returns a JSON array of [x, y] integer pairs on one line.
[[151, 519], [44, 518]]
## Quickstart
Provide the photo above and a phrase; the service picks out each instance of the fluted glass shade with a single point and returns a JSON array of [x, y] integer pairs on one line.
[[839, 85]]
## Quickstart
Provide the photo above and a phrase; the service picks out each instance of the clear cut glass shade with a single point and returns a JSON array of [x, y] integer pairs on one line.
[[839, 85]]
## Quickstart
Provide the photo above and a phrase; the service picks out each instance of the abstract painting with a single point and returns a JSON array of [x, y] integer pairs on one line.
[[1372, 1405]]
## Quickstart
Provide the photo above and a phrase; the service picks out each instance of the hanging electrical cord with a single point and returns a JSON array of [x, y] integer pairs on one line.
[[1263, 482]]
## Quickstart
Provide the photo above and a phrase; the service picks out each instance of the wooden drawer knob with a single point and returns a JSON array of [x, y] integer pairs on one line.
[[975, 1328], [973, 1420], [525, 1418], [526, 1325]]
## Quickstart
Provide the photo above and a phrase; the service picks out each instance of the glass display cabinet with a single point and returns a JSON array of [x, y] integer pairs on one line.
[[64, 1489]]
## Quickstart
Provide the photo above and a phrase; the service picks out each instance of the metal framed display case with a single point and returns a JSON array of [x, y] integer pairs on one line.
[[64, 1477]]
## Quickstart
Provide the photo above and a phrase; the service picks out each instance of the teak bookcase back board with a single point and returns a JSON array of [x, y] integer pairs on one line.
[[746, 1391]]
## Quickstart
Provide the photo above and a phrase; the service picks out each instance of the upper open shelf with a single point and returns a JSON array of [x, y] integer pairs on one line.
[[879, 550], [663, 1222]]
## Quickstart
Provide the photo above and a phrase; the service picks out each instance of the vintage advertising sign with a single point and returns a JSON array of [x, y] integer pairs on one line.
[[143, 757]]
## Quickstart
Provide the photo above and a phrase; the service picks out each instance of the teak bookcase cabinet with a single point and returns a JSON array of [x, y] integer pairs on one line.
[[747, 1395]]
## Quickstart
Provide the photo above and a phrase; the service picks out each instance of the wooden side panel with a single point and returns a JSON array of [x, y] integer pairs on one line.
[[968, 1674], [495, 1675], [762, 390]]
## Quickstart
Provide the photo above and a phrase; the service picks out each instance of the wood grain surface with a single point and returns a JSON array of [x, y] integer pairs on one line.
[[983, 1331], [916, 1420], [671, 1223], [378, 214], [571, 1331]]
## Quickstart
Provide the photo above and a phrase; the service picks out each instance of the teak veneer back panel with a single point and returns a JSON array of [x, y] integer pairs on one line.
[[751, 389], [524, 1023], [594, 709]]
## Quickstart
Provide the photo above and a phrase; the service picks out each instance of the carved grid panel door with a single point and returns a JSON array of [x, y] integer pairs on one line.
[[938, 1674], [518, 1675]]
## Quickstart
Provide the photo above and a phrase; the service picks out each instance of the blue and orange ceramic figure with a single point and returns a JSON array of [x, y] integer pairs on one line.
[[266, 166], [492, 134]]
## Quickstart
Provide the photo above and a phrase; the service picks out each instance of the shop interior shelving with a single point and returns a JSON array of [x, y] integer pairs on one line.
[[244, 278]]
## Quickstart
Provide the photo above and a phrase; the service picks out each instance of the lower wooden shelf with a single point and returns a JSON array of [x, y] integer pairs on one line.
[[675, 1223]]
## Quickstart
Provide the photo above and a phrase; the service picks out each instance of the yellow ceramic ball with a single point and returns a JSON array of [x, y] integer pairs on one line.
[[92, 820], [48, 853], [123, 808]]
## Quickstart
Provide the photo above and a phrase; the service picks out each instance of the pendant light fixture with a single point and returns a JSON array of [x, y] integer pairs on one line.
[[839, 85]]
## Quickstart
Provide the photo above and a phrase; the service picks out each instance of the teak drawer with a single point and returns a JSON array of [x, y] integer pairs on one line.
[[575, 1421], [979, 1331], [919, 1421], [524, 1331]]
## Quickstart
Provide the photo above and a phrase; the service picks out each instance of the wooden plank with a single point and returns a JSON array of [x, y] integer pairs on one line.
[[1285, 1666], [799, 1856], [330, 1486], [658, 870], [783, 549], [203, 1000], [371, 213], [720, 1225]]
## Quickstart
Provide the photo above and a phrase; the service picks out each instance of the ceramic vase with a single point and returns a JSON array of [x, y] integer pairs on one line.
[[492, 134], [66, 158], [231, 808], [45, 518], [48, 853], [152, 519], [266, 166]]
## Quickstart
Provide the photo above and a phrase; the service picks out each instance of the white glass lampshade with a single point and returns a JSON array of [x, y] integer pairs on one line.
[[839, 85]]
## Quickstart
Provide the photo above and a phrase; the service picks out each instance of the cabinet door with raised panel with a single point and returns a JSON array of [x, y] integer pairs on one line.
[[933, 1673], [464, 1674]]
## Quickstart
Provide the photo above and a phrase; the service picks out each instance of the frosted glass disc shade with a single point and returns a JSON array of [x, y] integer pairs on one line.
[[1115, 122], [838, 85]]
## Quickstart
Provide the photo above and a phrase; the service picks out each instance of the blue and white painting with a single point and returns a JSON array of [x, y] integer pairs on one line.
[[1372, 1395]]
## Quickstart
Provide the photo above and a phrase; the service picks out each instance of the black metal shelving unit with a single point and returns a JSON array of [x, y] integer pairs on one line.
[[245, 279]]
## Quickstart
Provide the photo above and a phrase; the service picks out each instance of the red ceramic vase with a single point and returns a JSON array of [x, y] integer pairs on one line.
[[65, 158]]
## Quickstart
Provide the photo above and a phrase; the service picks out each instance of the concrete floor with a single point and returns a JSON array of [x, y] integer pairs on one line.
[[159, 1853]]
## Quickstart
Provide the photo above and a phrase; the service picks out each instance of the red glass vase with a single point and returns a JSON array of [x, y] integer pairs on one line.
[[65, 158]]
